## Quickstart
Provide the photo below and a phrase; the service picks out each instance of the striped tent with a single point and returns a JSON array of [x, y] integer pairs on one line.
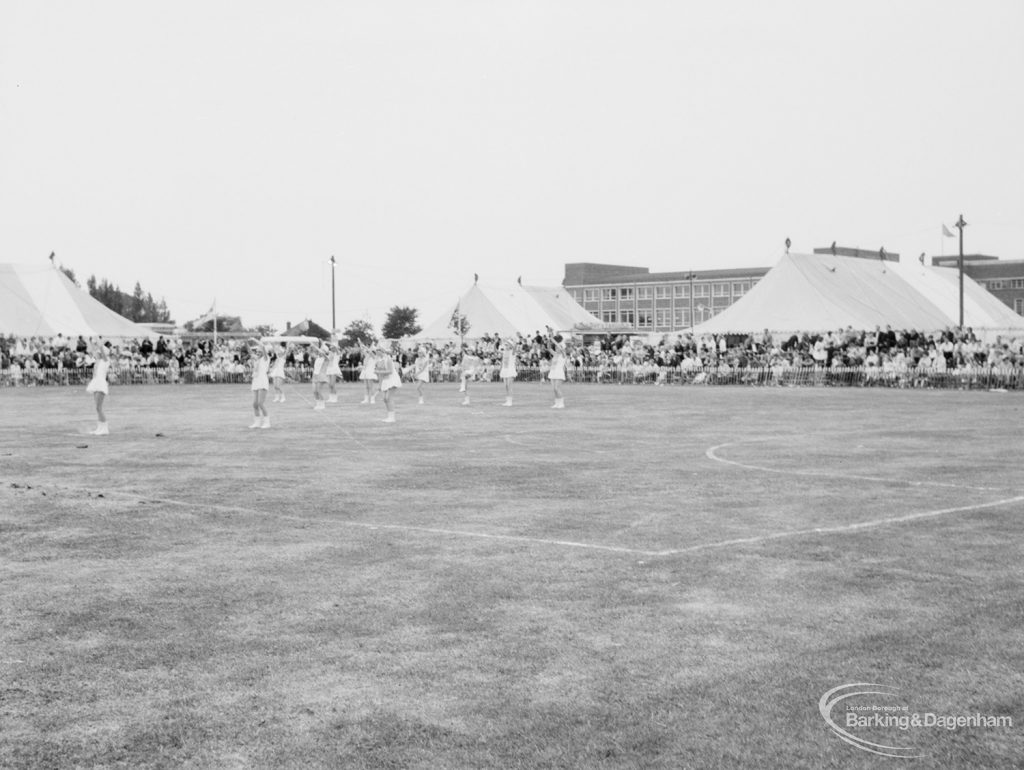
[[40, 301]]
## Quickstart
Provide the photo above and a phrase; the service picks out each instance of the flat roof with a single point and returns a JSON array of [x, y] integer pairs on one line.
[[679, 276]]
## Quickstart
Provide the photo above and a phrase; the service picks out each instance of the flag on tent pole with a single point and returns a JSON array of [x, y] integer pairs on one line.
[[946, 233]]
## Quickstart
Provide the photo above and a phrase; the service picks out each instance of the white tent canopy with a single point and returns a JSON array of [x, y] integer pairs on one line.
[[818, 292], [41, 301], [511, 310], [982, 310]]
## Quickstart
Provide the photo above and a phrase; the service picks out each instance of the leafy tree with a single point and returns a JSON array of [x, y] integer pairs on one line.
[[359, 331], [137, 306], [459, 323], [401, 322]]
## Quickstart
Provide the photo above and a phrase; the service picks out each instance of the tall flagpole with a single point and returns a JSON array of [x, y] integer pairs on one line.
[[214, 322]]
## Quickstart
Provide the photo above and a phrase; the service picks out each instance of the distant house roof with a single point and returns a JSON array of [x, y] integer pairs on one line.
[[307, 328]]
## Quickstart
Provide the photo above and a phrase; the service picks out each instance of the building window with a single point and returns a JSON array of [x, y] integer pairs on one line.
[[661, 292], [681, 318], [644, 319], [721, 289], [643, 292], [995, 285], [739, 289], [590, 295], [681, 291], [608, 295], [702, 290], [626, 317], [608, 316], [1017, 283], [626, 294], [663, 318], [1018, 306]]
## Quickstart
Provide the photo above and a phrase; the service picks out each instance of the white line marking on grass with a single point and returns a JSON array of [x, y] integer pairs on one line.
[[361, 524], [712, 454], [843, 528], [490, 536]]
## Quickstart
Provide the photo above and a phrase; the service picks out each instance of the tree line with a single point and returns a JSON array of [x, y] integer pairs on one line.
[[400, 322], [139, 306]]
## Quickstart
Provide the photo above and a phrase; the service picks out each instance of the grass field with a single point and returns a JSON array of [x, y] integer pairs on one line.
[[653, 577]]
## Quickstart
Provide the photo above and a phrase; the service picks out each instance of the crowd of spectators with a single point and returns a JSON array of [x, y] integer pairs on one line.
[[879, 356], [64, 360]]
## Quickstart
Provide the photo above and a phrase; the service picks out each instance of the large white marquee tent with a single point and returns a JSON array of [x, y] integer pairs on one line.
[[820, 292], [511, 310], [40, 301]]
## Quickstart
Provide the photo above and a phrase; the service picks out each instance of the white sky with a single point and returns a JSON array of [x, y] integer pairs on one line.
[[213, 149]]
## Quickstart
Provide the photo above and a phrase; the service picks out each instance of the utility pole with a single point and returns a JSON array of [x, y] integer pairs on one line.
[[960, 224], [334, 323], [690, 277]]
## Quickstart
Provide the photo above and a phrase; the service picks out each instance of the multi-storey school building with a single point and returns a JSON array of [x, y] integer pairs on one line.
[[634, 298]]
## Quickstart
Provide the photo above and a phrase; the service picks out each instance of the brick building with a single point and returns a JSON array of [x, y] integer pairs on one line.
[[1003, 279]]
